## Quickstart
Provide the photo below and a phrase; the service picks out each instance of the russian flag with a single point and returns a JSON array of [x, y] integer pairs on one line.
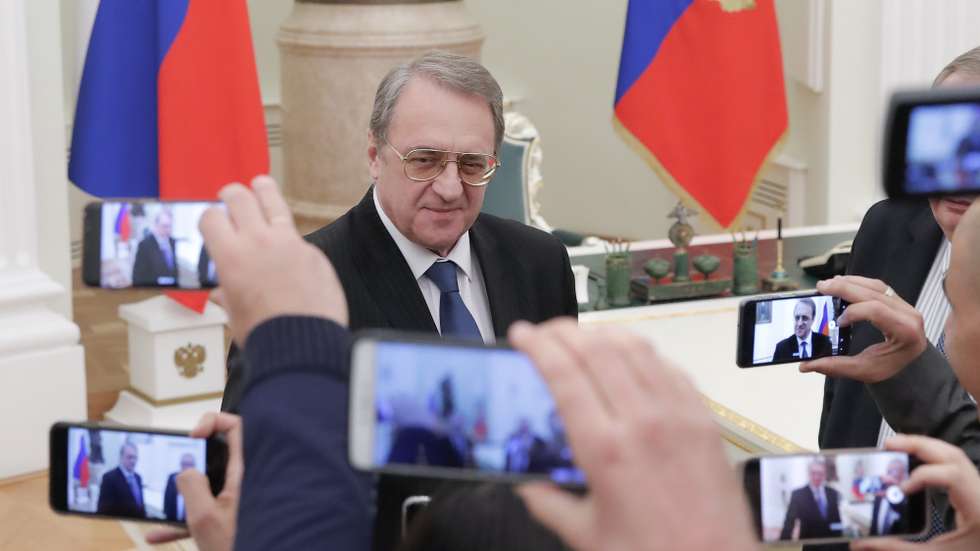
[[122, 225], [169, 104], [80, 472], [700, 95], [825, 322]]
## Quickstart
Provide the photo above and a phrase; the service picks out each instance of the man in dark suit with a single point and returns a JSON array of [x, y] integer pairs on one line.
[[156, 259], [173, 502], [889, 518], [813, 509], [416, 253], [804, 343], [121, 490], [525, 451]]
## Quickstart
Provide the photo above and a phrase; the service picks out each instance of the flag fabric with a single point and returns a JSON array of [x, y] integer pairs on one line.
[[122, 226], [825, 322], [700, 96], [169, 104], [80, 472]]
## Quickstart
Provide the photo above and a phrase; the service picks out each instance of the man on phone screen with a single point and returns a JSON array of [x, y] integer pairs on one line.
[[121, 490], [804, 343]]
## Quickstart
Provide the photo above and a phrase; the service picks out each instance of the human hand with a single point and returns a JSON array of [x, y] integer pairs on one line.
[[265, 269], [872, 301], [649, 448], [947, 467], [210, 519]]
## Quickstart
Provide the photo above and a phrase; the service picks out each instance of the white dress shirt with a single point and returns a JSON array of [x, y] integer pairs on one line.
[[469, 276]]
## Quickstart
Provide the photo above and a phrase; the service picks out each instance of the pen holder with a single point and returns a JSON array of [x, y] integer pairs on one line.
[[745, 269], [618, 275]]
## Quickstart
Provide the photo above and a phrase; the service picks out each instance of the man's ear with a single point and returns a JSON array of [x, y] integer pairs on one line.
[[374, 156]]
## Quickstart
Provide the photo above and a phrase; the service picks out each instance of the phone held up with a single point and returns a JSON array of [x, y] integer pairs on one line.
[[789, 328], [932, 143], [146, 243], [832, 496], [430, 407], [127, 473]]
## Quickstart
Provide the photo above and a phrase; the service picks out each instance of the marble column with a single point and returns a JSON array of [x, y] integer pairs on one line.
[[42, 370], [333, 55]]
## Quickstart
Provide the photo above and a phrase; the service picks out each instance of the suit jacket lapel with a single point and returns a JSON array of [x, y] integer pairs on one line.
[[385, 272], [499, 282], [911, 262]]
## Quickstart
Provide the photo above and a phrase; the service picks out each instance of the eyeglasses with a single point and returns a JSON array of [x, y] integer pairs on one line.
[[422, 165]]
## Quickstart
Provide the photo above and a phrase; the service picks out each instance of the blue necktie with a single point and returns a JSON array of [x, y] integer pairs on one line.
[[134, 487], [803, 355], [821, 502], [454, 318]]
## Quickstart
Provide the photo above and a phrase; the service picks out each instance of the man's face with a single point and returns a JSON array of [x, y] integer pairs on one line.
[[948, 210], [962, 287], [802, 320], [187, 462], [896, 471], [127, 457], [818, 473], [164, 226], [433, 214]]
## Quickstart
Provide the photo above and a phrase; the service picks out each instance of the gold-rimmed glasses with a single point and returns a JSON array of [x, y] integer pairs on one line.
[[423, 164]]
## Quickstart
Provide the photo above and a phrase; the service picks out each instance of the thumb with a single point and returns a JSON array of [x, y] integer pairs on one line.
[[559, 511], [194, 486]]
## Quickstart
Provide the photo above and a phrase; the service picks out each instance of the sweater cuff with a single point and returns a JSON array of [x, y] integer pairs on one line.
[[289, 343]]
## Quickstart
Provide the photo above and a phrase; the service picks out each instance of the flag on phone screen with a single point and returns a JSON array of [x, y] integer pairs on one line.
[[169, 104], [700, 96], [825, 322], [80, 472]]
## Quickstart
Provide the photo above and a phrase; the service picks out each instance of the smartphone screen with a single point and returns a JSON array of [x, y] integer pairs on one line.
[[146, 244], [461, 409], [790, 328], [128, 474], [840, 495]]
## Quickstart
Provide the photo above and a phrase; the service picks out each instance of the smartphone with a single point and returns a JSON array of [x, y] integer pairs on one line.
[[932, 143], [128, 244], [833, 496], [443, 408], [127, 473], [789, 328]]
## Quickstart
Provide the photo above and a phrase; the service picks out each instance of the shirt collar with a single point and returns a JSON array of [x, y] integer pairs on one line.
[[809, 336], [418, 257]]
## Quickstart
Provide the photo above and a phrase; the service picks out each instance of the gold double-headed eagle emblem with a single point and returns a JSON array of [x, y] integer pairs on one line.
[[190, 360]]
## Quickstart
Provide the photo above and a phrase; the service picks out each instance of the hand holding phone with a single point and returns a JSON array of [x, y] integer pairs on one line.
[[210, 519], [944, 466], [901, 324]]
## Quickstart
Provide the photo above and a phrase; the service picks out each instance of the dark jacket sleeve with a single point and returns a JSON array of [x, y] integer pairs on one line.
[[299, 491], [235, 383], [570, 301]]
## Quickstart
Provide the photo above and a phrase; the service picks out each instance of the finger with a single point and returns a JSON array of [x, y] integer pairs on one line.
[[235, 469], [218, 297], [205, 425], [837, 366], [876, 285], [609, 370], [218, 233], [243, 208], [166, 535], [578, 402], [559, 511], [885, 318], [928, 450], [855, 293], [939, 475], [194, 486], [272, 202]]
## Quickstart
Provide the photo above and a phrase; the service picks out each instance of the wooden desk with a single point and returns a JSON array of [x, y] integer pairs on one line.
[[763, 409]]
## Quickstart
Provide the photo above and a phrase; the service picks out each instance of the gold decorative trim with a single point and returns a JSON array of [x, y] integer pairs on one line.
[[174, 401], [737, 428]]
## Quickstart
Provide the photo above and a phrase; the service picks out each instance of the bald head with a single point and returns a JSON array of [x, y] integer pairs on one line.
[[962, 286]]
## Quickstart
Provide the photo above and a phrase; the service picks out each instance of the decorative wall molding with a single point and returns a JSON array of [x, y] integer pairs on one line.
[[803, 29]]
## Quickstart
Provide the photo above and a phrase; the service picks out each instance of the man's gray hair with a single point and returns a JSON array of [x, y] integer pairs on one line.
[[813, 306], [455, 72], [967, 63]]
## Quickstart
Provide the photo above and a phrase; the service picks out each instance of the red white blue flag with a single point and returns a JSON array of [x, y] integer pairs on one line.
[[169, 104], [700, 95]]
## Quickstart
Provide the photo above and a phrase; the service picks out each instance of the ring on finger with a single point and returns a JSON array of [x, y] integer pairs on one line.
[[889, 292]]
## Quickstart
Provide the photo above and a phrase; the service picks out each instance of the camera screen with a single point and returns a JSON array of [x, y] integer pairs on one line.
[[849, 495], [129, 474], [470, 408], [154, 244], [794, 329], [943, 148]]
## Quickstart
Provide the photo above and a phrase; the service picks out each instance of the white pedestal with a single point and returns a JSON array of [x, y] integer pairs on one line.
[[176, 364]]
